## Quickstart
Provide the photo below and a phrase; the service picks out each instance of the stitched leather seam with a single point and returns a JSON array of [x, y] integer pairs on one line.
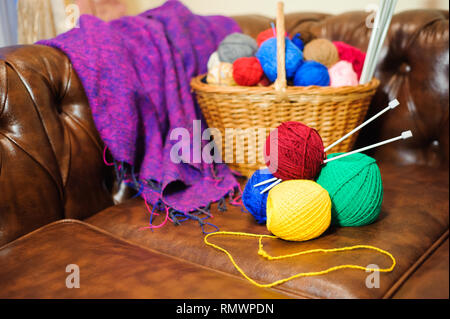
[[3, 74], [69, 81], [411, 270], [83, 127], [22, 80], [45, 168], [69, 160]]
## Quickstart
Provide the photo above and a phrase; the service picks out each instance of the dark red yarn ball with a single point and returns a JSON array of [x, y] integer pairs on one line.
[[247, 71], [300, 152]]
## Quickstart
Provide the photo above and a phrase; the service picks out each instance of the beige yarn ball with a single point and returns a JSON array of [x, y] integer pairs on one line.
[[221, 74], [322, 51]]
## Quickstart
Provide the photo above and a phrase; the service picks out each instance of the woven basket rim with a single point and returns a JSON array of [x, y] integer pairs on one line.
[[198, 85]]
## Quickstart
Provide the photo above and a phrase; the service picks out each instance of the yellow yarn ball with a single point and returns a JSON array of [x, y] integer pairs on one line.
[[298, 210], [221, 74]]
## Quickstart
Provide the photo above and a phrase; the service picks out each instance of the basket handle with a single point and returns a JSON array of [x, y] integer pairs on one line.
[[280, 82]]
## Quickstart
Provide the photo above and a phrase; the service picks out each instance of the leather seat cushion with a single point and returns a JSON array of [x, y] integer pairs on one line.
[[414, 217], [34, 266]]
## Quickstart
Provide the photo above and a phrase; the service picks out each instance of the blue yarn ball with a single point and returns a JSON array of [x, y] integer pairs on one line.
[[298, 41], [312, 73], [267, 55], [253, 201]]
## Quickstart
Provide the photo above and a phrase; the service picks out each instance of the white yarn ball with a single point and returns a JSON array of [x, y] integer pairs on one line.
[[213, 60]]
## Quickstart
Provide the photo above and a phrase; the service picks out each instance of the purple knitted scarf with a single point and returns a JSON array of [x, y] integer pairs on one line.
[[136, 72]]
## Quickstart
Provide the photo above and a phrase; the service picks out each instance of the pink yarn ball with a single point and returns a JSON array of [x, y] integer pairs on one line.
[[342, 74], [351, 54]]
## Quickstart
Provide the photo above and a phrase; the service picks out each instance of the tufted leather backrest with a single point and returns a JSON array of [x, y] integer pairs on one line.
[[413, 67], [51, 163]]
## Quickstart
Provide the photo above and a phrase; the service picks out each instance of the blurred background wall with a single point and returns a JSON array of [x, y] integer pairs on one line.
[[41, 19], [267, 7]]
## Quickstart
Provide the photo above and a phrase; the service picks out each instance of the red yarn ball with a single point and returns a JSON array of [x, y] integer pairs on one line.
[[351, 54], [247, 71], [265, 35], [300, 152]]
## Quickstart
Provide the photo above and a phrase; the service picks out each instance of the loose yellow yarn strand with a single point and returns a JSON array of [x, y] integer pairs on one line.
[[263, 253]]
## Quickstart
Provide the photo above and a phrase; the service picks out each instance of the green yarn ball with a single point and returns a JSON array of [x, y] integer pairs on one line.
[[355, 187]]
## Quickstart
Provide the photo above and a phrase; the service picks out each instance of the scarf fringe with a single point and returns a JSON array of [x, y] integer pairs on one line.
[[126, 173]]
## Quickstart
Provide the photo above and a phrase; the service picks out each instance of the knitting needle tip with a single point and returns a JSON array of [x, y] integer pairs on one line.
[[394, 103], [407, 134]]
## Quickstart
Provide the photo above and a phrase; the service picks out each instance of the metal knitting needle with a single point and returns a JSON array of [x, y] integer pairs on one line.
[[374, 39], [405, 135], [271, 186], [265, 182], [392, 105], [384, 30]]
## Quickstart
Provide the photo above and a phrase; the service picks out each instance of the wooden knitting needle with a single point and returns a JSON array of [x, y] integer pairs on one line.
[[392, 105], [405, 135]]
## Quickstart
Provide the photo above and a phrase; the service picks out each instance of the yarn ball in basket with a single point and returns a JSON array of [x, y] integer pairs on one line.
[[235, 46], [351, 54], [221, 74], [213, 60], [298, 210], [264, 81], [267, 56], [294, 151], [247, 71], [297, 40], [322, 51], [253, 201], [342, 74], [355, 187], [312, 73], [265, 35]]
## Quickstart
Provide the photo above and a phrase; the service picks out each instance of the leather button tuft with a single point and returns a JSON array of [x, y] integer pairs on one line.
[[405, 68]]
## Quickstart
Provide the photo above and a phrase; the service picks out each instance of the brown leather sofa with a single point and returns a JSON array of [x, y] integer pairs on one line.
[[57, 198]]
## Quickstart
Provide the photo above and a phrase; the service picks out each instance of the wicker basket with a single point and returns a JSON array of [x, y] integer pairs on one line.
[[331, 111]]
